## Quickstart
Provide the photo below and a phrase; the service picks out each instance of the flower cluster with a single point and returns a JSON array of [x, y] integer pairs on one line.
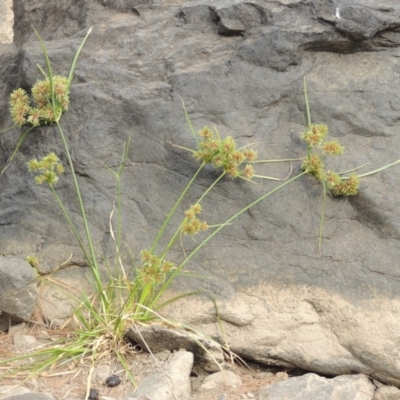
[[49, 169], [346, 187], [154, 268], [191, 224], [314, 163], [223, 154], [315, 134], [43, 111]]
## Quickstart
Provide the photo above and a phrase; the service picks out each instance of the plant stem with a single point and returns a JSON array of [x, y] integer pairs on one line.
[[172, 212], [193, 252], [93, 265], [71, 224], [375, 170], [176, 234], [322, 219]]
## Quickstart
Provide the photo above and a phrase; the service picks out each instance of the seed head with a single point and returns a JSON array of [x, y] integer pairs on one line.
[[346, 187], [332, 179], [315, 134], [250, 154], [332, 148], [206, 133]]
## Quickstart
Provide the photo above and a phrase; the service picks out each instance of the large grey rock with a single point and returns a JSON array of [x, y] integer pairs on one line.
[[311, 386], [239, 66], [18, 290]]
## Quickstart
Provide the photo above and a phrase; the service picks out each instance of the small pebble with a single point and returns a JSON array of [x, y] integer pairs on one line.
[[113, 380], [93, 394]]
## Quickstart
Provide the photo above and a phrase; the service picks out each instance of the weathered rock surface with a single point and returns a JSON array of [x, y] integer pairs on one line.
[[239, 66], [18, 291], [311, 386], [157, 338], [172, 383]]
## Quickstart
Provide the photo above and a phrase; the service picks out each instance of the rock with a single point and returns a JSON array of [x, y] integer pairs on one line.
[[101, 373], [23, 343], [18, 289], [59, 298], [238, 66], [387, 393], [6, 21], [173, 383], [311, 386], [159, 338], [222, 379], [93, 394], [113, 380], [7, 391]]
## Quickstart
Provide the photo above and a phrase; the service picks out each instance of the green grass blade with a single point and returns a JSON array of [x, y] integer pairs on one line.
[[9, 128], [172, 212], [307, 104], [194, 133], [49, 71], [322, 218], [71, 71], [375, 170]]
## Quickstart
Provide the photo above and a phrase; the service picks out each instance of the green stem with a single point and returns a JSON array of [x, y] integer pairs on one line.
[[176, 234], [307, 103], [93, 265], [282, 160], [179, 268], [322, 219], [71, 224], [375, 170], [172, 212]]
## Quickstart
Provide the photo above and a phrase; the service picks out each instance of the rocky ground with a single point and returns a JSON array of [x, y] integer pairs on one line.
[[236, 383]]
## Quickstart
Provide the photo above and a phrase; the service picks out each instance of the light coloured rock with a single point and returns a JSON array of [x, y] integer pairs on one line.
[[307, 327], [6, 21], [223, 378], [101, 373], [173, 383], [387, 393], [312, 386], [24, 342]]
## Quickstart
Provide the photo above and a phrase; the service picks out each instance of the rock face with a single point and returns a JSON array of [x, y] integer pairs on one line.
[[238, 66], [18, 291]]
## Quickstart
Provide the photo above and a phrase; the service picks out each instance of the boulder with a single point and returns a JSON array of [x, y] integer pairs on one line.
[[18, 291], [238, 66]]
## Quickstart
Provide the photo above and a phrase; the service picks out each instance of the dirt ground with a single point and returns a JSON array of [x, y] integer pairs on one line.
[[70, 381]]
